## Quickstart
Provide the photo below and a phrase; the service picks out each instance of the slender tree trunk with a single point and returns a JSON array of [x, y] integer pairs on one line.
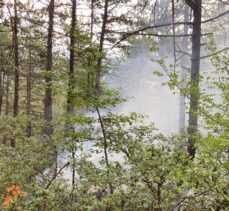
[[182, 106], [70, 106], [73, 170], [92, 19], [1, 88], [2, 81], [6, 96], [99, 91], [174, 39], [28, 96], [195, 69], [184, 62], [16, 67], [16, 62], [7, 110], [102, 35], [91, 39], [159, 208], [48, 79], [70, 97], [105, 150]]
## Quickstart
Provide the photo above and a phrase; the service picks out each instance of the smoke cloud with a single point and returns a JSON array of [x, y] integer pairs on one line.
[[146, 94]]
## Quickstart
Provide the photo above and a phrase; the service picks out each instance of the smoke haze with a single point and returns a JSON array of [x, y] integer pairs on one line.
[[146, 94]]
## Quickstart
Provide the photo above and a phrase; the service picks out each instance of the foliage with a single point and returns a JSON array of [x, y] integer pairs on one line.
[[97, 159]]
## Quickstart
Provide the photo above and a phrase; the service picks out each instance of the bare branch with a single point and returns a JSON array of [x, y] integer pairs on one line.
[[217, 52], [185, 53], [170, 35], [206, 56], [149, 27], [224, 2], [164, 25], [218, 16], [56, 174]]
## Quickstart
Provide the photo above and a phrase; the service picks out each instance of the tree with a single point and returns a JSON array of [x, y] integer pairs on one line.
[[101, 42], [2, 83], [196, 6], [28, 94], [16, 63], [182, 106], [70, 106], [71, 84], [113, 161], [48, 79]]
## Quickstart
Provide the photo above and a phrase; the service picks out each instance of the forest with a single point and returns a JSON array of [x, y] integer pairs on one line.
[[111, 105]]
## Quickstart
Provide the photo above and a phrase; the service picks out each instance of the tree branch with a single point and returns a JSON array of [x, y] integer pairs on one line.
[[206, 56], [150, 27], [176, 35], [224, 2], [190, 3], [218, 16], [185, 53], [209, 55], [56, 174]]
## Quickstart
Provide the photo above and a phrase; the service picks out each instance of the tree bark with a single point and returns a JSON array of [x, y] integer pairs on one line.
[[16, 62], [105, 150], [70, 106], [7, 110], [194, 82], [28, 96], [71, 80], [101, 42], [92, 19], [16, 68], [48, 78], [98, 89], [174, 38], [184, 43], [1, 88], [91, 39]]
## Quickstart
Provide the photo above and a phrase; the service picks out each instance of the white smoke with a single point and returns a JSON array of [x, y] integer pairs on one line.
[[147, 95]]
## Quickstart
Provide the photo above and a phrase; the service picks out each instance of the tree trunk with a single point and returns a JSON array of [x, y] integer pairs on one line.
[[28, 96], [1, 88], [92, 19], [71, 80], [7, 96], [102, 35], [70, 106], [184, 43], [98, 89], [194, 83], [16, 62], [105, 150], [91, 39], [48, 79], [16, 67], [182, 107]]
